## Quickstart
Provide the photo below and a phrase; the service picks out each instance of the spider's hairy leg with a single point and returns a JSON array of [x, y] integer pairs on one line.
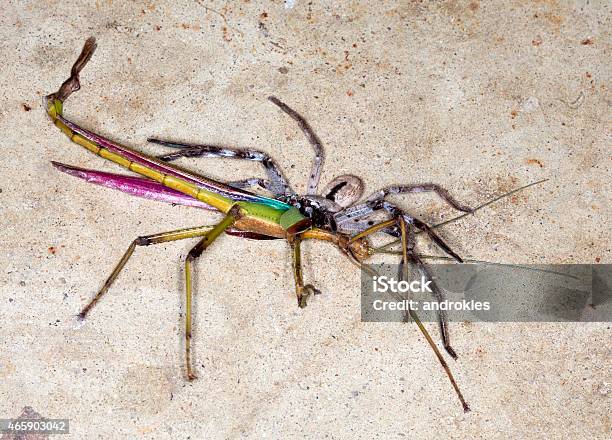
[[474, 210], [437, 292], [435, 238], [408, 255], [381, 194], [277, 183], [250, 183], [352, 219], [397, 212], [315, 173]]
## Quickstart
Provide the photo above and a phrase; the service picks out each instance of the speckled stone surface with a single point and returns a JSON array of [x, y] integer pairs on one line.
[[480, 97]]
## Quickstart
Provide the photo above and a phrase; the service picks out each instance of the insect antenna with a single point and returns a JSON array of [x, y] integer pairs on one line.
[[484, 205], [471, 260]]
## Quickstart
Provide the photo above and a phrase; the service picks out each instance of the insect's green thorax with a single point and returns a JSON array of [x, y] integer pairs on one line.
[[291, 220]]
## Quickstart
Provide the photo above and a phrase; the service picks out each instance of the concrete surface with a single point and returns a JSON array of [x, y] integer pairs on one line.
[[480, 97]]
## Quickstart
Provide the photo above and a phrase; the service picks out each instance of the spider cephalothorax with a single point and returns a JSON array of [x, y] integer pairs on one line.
[[320, 210]]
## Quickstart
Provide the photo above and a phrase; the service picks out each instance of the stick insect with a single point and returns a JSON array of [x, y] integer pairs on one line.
[[335, 215]]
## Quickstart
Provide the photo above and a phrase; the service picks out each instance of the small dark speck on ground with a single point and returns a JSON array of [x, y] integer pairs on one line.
[[26, 107]]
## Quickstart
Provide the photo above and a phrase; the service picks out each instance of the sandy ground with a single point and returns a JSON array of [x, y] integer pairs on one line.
[[480, 97]]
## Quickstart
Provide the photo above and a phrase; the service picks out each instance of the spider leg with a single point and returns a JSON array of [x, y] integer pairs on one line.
[[315, 173], [437, 292], [351, 218], [358, 218], [408, 255], [395, 211], [435, 238], [277, 184], [411, 189], [354, 213], [249, 183]]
